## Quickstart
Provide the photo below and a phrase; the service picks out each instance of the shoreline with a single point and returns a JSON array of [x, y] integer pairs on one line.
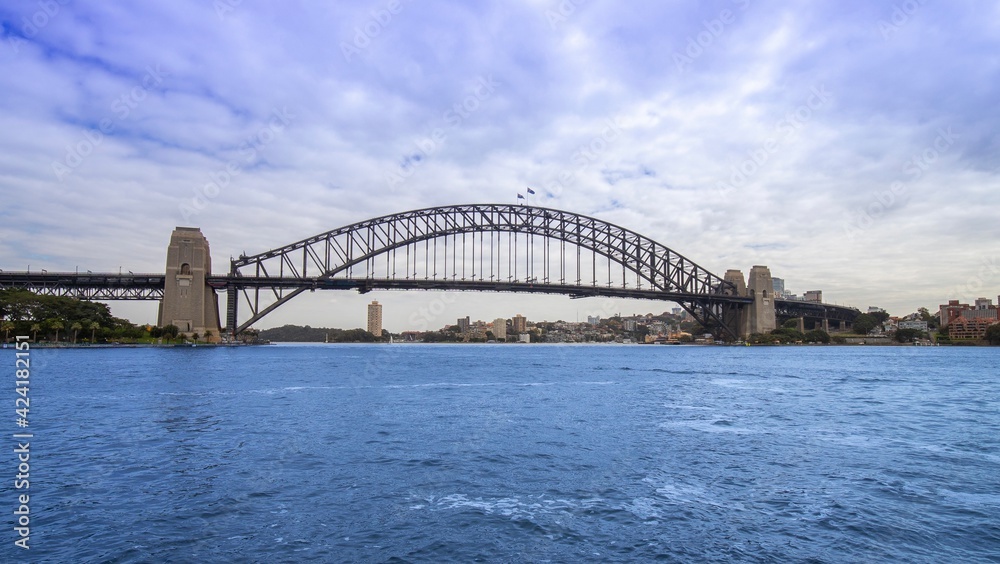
[[130, 345], [236, 345]]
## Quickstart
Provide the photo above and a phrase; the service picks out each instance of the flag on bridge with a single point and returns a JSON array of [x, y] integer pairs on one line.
[[530, 191], [520, 197]]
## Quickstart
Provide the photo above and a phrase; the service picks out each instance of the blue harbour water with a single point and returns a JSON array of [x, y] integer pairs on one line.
[[512, 453]]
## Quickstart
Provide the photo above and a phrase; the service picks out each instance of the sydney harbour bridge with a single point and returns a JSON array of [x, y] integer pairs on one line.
[[476, 247]]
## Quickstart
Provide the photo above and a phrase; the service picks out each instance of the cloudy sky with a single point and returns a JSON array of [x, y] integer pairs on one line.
[[852, 146]]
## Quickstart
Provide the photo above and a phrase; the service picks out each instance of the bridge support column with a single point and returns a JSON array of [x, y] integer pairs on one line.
[[739, 318], [759, 316], [826, 325], [761, 288], [188, 301], [802, 324], [232, 301]]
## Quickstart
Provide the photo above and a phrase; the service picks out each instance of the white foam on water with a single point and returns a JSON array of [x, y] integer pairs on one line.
[[513, 507]]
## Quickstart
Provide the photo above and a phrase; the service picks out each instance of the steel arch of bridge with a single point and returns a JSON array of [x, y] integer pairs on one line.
[[367, 255]]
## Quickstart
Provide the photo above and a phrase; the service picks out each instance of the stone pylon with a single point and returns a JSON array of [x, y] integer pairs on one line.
[[188, 301], [759, 316], [738, 317], [760, 287]]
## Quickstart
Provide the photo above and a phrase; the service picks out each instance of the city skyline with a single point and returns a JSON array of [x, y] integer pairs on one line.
[[983, 308], [849, 147]]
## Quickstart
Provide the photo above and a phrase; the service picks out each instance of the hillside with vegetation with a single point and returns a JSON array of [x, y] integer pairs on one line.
[[307, 334]]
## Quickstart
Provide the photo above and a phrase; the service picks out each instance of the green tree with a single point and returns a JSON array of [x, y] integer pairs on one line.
[[208, 336], [993, 334], [880, 316], [784, 335], [756, 339], [195, 336], [75, 327], [171, 331], [865, 323], [94, 327], [907, 335], [57, 326], [640, 332], [35, 328], [791, 324], [817, 336], [7, 327]]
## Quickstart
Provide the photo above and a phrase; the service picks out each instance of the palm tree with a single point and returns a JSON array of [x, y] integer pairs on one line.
[[35, 328], [208, 336], [76, 329], [93, 330], [7, 327], [58, 326]]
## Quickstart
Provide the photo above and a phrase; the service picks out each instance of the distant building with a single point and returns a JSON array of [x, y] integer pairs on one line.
[[969, 328], [919, 325], [464, 324], [519, 324], [952, 311], [981, 313], [676, 311], [500, 329], [984, 312], [375, 318], [524, 337], [630, 325], [813, 296], [593, 320], [874, 309], [779, 286]]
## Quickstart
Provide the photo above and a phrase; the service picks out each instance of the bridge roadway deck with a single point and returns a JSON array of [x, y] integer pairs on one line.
[[364, 285], [149, 286]]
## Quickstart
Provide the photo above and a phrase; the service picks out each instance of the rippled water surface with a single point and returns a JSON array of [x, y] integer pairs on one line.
[[427, 453]]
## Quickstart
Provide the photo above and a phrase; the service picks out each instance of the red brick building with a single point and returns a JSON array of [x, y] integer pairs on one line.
[[969, 327]]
